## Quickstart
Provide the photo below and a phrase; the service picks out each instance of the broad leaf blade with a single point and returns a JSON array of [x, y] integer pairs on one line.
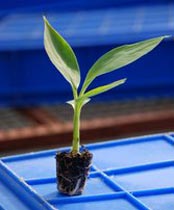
[[103, 89], [61, 55], [119, 57]]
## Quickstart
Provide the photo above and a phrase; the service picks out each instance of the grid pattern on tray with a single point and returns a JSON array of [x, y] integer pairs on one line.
[[11, 119], [128, 174], [83, 28], [111, 108]]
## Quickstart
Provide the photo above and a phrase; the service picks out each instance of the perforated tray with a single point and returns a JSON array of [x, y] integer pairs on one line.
[[130, 174]]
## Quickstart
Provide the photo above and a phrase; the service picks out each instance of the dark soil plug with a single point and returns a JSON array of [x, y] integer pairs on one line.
[[72, 171]]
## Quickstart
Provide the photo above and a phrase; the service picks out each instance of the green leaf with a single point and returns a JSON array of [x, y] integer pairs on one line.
[[119, 57], [61, 55], [103, 89]]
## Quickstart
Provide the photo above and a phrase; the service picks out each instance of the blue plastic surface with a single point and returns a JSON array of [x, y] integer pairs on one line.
[[15, 194], [67, 5], [134, 174], [97, 27], [28, 77]]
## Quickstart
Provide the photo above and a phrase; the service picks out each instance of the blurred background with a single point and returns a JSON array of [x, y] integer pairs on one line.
[[33, 113]]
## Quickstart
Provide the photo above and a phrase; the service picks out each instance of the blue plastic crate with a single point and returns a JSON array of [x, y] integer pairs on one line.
[[85, 28], [28, 77], [134, 174], [67, 5]]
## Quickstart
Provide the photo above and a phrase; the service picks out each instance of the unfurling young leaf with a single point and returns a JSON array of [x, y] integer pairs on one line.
[[103, 89]]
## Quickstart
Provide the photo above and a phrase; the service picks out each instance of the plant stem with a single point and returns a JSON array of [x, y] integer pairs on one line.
[[76, 128]]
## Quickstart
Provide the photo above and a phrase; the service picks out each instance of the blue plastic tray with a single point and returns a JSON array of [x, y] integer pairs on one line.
[[130, 174]]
